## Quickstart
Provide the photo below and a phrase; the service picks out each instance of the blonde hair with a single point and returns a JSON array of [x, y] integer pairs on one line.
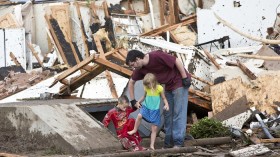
[[150, 81]]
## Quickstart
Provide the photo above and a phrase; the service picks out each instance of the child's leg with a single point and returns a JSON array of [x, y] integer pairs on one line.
[[136, 125], [153, 136]]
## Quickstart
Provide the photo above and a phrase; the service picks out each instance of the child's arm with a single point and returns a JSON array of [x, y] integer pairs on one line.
[[107, 119], [138, 104], [166, 106]]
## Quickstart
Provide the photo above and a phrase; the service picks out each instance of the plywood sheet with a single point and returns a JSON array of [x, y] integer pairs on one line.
[[61, 14], [184, 36]]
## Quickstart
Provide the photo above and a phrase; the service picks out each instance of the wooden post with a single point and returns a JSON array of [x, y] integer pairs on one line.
[[82, 29], [247, 71], [108, 75], [14, 59], [161, 11], [212, 59], [35, 54]]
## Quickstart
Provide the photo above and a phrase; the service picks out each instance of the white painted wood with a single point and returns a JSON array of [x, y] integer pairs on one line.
[[2, 50], [15, 42], [253, 17], [252, 150]]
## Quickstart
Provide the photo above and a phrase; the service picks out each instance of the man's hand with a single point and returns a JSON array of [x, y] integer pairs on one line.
[[186, 82], [133, 102]]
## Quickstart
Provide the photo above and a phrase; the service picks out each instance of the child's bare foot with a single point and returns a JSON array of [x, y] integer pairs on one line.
[[131, 132], [152, 148]]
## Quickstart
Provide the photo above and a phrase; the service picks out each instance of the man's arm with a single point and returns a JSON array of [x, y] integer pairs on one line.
[[131, 84], [181, 68]]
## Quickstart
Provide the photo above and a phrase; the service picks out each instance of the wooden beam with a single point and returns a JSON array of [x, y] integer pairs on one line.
[[274, 140], [212, 59], [80, 80], [191, 19], [161, 11], [247, 71], [105, 7], [172, 19], [13, 57], [72, 70], [202, 80], [108, 75], [201, 94], [271, 58], [82, 29], [35, 54], [113, 67], [146, 7], [200, 102]]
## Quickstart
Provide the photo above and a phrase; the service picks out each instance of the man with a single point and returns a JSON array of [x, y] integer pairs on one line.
[[171, 72]]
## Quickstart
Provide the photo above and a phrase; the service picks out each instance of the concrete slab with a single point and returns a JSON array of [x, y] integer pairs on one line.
[[38, 125]]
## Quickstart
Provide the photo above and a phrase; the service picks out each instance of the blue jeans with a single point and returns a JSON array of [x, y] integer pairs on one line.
[[175, 120]]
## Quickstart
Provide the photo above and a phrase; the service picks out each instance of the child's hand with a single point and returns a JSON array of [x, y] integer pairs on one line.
[[138, 105], [166, 107]]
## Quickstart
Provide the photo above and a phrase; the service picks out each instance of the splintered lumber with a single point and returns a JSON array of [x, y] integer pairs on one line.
[[271, 58], [80, 80], [202, 80], [208, 141], [72, 70], [201, 94], [108, 75], [113, 67], [151, 152], [191, 19], [212, 59], [200, 102], [10, 155], [82, 29], [14, 59], [35, 54], [248, 72]]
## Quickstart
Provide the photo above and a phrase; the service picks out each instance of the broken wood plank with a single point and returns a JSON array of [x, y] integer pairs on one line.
[[191, 19], [82, 29], [107, 73], [80, 80], [246, 71], [35, 54], [72, 70], [113, 67], [105, 7], [212, 59], [202, 80], [208, 141], [274, 140], [271, 58], [201, 94], [200, 102], [13, 57]]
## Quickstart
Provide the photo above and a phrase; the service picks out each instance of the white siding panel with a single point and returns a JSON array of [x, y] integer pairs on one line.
[[15, 42]]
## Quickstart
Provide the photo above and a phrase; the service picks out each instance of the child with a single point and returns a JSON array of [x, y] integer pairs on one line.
[[150, 110], [119, 115]]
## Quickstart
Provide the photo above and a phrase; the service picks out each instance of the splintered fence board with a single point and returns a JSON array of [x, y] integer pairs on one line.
[[61, 14], [15, 43]]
